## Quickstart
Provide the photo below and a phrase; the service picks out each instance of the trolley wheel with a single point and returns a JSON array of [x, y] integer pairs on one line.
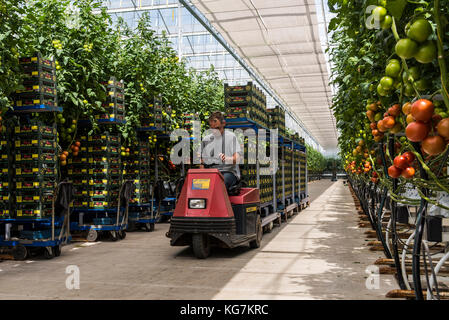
[[149, 227], [92, 235], [279, 220], [49, 253], [269, 227], [201, 245], [121, 234], [57, 250], [256, 243], [20, 252], [114, 235]]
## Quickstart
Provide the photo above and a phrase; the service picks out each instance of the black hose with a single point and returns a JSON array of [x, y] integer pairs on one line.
[[394, 238], [420, 221]]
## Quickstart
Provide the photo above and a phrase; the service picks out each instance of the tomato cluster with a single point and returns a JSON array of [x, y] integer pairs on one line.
[[402, 166], [423, 127], [389, 123], [74, 148]]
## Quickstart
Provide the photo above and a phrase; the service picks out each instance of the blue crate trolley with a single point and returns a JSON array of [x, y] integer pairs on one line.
[[271, 213], [47, 234], [114, 226], [142, 216]]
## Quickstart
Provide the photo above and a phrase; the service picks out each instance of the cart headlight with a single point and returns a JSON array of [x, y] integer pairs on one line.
[[197, 203]]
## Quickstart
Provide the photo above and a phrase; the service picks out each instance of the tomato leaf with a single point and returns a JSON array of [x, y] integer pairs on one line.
[[396, 8]]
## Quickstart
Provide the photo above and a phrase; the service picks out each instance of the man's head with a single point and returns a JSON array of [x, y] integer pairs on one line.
[[217, 121]]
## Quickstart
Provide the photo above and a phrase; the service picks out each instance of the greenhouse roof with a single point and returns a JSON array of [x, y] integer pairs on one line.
[[280, 41]]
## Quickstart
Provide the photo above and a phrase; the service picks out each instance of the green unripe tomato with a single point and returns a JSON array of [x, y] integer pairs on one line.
[[379, 13], [422, 84], [406, 48], [381, 91], [415, 72], [408, 90], [386, 23], [426, 53], [386, 83], [420, 30], [393, 69], [378, 116]]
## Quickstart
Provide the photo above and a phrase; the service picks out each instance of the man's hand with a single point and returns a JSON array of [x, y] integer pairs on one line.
[[222, 157]]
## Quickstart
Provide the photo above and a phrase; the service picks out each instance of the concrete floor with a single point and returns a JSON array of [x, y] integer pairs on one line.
[[319, 254]]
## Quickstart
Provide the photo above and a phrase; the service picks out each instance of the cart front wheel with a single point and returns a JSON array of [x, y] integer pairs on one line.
[[201, 245], [49, 253], [92, 235], [149, 227], [20, 252]]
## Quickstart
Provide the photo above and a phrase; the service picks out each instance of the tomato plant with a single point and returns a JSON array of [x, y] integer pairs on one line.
[[392, 86]]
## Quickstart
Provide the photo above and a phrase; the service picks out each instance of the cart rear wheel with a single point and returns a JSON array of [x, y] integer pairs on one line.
[[20, 252], [57, 250], [149, 227], [121, 234], [256, 243], [92, 235], [49, 253], [201, 245]]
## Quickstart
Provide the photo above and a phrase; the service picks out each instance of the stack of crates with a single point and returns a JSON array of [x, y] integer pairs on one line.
[[302, 162], [246, 102], [137, 167], [36, 169], [153, 117], [279, 179], [265, 184], [189, 118], [39, 84], [115, 103], [5, 177], [296, 159], [277, 116], [96, 171], [248, 169], [288, 155], [265, 179]]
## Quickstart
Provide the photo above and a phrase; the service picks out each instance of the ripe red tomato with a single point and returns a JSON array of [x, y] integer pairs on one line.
[[422, 110], [389, 122], [410, 156], [443, 128], [417, 131], [401, 162], [373, 125], [394, 110], [408, 173], [394, 172], [381, 126], [433, 145]]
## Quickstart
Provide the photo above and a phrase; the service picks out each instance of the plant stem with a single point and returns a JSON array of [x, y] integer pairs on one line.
[[441, 61]]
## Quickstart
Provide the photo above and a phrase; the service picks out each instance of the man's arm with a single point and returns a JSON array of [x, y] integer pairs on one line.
[[235, 158]]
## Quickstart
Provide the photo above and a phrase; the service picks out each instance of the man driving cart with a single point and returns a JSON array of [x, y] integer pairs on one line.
[[221, 150]]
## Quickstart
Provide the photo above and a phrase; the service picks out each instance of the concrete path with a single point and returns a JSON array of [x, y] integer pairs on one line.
[[319, 254]]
